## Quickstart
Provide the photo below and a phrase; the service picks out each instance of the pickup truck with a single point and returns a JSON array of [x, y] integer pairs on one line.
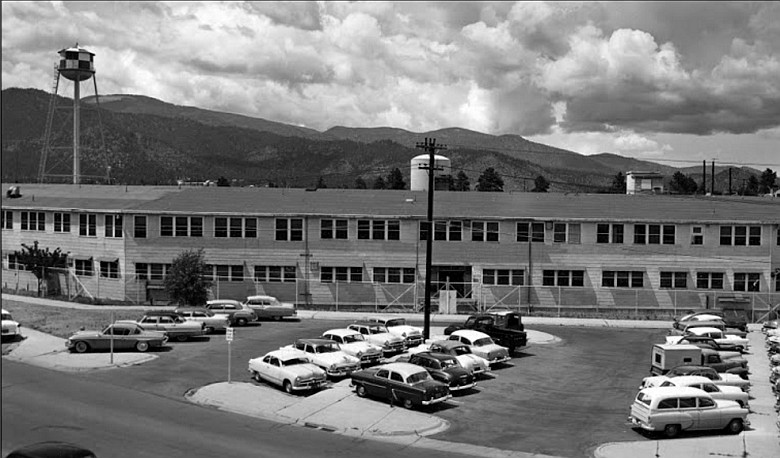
[[505, 327]]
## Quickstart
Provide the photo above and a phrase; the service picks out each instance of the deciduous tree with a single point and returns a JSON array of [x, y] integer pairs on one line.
[[42, 262], [683, 184], [186, 281], [767, 182]]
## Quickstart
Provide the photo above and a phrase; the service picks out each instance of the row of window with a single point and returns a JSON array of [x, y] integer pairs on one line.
[[291, 229]]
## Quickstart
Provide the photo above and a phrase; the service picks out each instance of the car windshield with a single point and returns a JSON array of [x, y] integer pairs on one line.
[[376, 330], [7, 316], [354, 338], [445, 363], [418, 377], [325, 349], [396, 322], [483, 341], [462, 350], [294, 361]]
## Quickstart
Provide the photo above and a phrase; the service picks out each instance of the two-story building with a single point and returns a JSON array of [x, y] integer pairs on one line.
[[366, 248]]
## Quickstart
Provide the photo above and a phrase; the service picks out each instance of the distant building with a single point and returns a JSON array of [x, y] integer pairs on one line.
[[644, 182]]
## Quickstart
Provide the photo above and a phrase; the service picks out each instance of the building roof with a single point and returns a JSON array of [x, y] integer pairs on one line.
[[397, 204]]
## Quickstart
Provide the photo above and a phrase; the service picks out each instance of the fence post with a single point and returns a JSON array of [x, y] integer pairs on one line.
[[559, 302]]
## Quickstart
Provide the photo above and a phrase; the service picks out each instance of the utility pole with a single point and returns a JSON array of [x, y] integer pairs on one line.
[[712, 178], [430, 147]]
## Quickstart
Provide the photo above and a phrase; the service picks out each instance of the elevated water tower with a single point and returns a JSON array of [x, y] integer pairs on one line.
[[419, 173], [76, 64]]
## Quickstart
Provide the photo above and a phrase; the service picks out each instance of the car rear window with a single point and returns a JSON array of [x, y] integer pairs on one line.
[[670, 403], [643, 398]]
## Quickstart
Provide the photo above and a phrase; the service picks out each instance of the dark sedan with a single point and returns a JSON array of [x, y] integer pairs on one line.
[[125, 336], [400, 383], [444, 368]]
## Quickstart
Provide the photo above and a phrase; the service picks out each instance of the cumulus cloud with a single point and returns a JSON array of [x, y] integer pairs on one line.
[[618, 72]]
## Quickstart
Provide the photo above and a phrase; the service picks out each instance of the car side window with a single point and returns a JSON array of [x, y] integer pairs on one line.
[[687, 403], [396, 377], [383, 373], [710, 388], [670, 403], [267, 359], [148, 319], [706, 402]]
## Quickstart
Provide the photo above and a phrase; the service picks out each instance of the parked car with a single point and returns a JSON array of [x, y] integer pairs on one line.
[[718, 378], [173, 324], [287, 369], [475, 364], [720, 336], [353, 343], [412, 335], [378, 334], [482, 345], [674, 409], [270, 307], [51, 449], [400, 383], [442, 367], [505, 327], [325, 353], [11, 329], [212, 322], [731, 393], [771, 324], [238, 313], [726, 350], [682, 328], [126, 336]]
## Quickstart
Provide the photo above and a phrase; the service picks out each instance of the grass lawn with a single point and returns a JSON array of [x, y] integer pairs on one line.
[[63, 321]]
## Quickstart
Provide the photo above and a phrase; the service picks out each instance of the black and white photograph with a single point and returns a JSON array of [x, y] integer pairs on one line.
[[390, 228]]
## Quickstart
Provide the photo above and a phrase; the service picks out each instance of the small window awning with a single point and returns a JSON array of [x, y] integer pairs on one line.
[[81, 257], [108, 259]]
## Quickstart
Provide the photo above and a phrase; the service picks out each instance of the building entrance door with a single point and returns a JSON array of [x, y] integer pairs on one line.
[[457, 277]]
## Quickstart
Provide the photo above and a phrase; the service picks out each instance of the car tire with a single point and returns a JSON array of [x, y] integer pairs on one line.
[[142, 346], [407, 403], [241, 322], [671, 431], [182, 338], [208, 330], [361, 391], [256, 376], [735, 426], [288, 387], [81, 347]]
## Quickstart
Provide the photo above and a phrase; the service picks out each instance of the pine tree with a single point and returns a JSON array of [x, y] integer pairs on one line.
[[541, 184], [462, 182], [395, 180], [379, 183], [490, 181]]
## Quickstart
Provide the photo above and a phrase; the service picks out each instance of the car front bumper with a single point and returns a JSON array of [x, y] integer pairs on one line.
[[436, 400]]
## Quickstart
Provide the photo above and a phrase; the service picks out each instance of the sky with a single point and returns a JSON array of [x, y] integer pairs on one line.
[[670, 82]]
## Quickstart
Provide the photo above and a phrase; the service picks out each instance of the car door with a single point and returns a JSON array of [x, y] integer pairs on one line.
[[378, 385], [122, 338], [275, 370], [688, 410], [398, 388], [151, 323], [710, 416]]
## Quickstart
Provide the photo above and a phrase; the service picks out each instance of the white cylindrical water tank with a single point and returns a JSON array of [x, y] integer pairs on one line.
[[419, 172]]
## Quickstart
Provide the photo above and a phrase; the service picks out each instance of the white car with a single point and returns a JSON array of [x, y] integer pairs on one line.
[[477, 365], [398, 327], [482, 345], [731, 393], [270, 307], [325, 354], [378, 335], [287, 369], [720, 336], [212, 322], [11, 329], [353, 343], [718, 378]]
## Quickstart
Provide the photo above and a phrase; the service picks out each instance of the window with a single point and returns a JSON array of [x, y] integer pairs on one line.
[[747, 281], [709, 280], [233, 227], [33, 221], [379, 229], [563, 233], [113, 226], [88, 225], [394, 274], [341, 274], [622, 279], [559, 233], [83, 267], [609, 233], [109, 269], [706, 402], [220, 227], [196, 226], [697, 235], [166, 226], [443, 230], [227, 272], [8, 219], [157, 271], [563, 278], [141, 271], [514, 277], [334, 229], [484, 231], [14, 264], [61, 222], [289, 229], [676, 280], [530, 232], [740, 235], [670, 403], [275, 274], [139, 227], [654, 234]]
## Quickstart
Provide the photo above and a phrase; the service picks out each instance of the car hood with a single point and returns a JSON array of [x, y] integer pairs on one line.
[[338, 357], [362, 347], [382, 336], [305, 370], [405, 329], [10, 323], [471, 360]]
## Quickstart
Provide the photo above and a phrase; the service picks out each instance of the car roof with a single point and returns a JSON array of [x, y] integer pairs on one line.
[[223, 301], [192, 309], [261, 296], [439, 356], [284, 354], [686, 379], [368, 323], [449, 343], [502, 312], [691, 367], [470, 334], [705, 329], [668, 391], [405, 369], [342, 332], [315, 341], [161, 313]]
